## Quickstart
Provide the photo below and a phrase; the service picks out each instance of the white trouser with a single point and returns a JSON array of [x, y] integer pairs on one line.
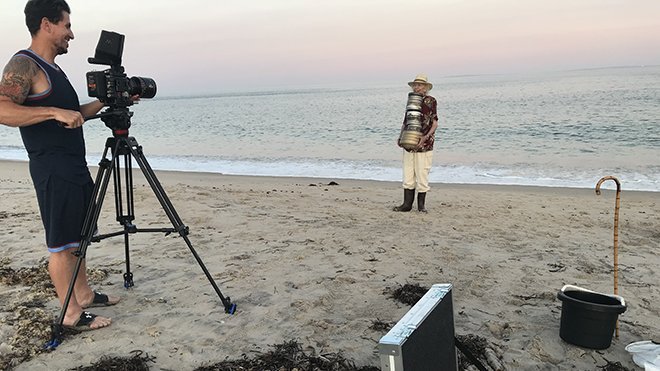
[[416, 168]]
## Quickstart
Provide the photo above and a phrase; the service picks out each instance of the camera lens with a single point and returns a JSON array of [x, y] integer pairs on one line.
[[142, 86]]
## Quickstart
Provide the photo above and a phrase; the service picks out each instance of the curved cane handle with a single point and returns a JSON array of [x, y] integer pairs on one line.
[[609, 177]]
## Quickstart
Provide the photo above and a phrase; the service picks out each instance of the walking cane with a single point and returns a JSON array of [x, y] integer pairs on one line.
[[616, 234]]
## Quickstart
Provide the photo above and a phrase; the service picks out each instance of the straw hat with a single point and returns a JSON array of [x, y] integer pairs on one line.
[[421, 78]]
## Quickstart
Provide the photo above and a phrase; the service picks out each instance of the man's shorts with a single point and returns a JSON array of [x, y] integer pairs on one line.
[[63, 207]]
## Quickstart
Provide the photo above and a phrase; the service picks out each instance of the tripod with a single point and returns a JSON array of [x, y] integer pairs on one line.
[[123, 146]]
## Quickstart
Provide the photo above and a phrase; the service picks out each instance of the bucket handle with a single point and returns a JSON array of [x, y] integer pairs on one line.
[[577, 288]]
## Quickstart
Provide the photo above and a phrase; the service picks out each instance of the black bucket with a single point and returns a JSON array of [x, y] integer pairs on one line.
[[588, 318]]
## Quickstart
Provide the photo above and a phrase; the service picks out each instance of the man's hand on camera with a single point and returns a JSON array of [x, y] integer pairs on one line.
[[135, 99], [68, 119]]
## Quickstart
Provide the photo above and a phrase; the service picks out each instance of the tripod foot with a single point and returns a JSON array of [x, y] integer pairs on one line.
[[230, 307], [55, 338], [128, 280]]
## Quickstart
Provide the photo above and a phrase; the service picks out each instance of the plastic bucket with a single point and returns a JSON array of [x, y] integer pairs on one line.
[[588, 318]]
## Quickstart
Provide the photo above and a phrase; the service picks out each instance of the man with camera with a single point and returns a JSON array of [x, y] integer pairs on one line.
[[36, 96]]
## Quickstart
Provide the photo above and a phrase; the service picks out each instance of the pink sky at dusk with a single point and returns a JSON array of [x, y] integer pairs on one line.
[[211, 46]]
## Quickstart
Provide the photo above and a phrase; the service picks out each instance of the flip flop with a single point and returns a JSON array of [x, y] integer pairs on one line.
[[101, 300], [84, 322]]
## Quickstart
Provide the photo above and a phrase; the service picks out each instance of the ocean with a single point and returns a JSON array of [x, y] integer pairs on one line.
[[559, 129]]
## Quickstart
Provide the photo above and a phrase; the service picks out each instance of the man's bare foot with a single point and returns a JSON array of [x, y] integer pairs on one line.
[[98, 299], [87, 321]]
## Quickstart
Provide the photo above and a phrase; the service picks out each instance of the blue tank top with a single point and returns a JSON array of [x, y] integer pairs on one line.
[[52, 149]]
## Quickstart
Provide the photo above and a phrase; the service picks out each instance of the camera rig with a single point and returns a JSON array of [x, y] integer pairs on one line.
[[112, 86], [115, 90]]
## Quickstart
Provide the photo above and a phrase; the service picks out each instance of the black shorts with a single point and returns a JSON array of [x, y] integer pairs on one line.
[[63, 206]]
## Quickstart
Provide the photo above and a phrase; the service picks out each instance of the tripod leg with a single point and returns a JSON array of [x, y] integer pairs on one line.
[[128, 224], [87, 233], [125, 218], [165, 202]]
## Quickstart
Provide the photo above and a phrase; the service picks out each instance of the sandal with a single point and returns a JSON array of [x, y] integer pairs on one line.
[[84, 323], [101, 300]]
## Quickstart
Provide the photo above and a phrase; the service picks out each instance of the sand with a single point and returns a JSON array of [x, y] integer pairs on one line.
[[309, 261]]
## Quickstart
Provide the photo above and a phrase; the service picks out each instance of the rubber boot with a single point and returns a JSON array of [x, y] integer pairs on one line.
[[408, 198], [421, 200]]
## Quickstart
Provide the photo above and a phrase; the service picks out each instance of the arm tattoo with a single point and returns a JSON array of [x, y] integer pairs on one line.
[[17, 79]]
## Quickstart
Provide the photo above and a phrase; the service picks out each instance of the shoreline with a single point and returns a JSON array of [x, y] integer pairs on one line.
[[200, 177], [312, 262]]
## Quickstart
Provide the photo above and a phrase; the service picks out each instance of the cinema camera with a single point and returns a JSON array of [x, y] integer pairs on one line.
[[112, 86]]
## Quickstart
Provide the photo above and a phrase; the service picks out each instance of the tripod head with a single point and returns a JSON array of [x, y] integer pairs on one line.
[[118, 119]]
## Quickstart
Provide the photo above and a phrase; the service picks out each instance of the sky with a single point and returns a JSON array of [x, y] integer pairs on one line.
[[216, 46]]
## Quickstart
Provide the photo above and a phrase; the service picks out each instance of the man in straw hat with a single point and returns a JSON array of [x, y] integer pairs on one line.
[[417, 161]]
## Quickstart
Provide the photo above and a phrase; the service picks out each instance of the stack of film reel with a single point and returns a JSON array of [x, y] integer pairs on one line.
[[412, 131]]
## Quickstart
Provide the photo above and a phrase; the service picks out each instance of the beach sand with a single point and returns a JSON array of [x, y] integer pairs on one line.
[[312, 262]]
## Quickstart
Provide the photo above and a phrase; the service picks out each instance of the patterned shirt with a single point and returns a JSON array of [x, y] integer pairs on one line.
[[429, 114]]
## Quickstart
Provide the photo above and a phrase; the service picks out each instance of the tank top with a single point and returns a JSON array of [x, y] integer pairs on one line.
[[53, 149]]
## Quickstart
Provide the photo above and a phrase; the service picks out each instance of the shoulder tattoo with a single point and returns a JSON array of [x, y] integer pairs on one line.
[[17, 78]]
